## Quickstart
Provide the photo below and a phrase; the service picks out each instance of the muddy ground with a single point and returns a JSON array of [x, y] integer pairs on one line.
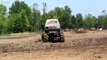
[[77, 46]]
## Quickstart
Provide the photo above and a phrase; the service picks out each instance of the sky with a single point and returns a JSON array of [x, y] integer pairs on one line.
[[84, 7]]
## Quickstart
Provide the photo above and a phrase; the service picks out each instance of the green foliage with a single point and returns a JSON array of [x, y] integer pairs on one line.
[[19, 22], [3, 27], [102, 21], [42, 21], [3, 19], [74, 22], [63, 14], [79, 20], [35, 20], [91, 21], [19, 6], [22, 18], [19, 17], [3, 9]]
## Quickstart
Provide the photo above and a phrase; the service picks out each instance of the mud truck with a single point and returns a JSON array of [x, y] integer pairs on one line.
[[52, 31]]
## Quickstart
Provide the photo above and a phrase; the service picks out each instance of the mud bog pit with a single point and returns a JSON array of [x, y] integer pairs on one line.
[[81, 46]]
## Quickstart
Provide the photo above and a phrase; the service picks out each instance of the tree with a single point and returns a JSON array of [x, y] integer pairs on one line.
[[68, 16], [18, 22], [91, 21], [74, 22], [3, 18], [102, 21], [43, 19], [58, 12], [22, 18], [35, 21], [44, 7], [19, 6], [44, 16], [22, 13], [103, 12], [3, 9], [79, 19], [63, 14], [25, 21], [51, 14]]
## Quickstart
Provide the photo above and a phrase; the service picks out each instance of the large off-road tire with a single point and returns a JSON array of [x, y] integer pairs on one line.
[[45, 37], [62, 37]]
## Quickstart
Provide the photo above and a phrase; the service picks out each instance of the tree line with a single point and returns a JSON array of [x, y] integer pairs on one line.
[[22, 18]]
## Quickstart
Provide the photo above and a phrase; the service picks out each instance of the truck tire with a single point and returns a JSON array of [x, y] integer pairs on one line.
[[44, 37], [62, 38]]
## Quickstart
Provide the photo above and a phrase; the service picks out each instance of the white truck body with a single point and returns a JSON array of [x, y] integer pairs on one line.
[[54, 23]]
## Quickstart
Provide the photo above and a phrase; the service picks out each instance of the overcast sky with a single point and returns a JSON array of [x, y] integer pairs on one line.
[[93, 7]]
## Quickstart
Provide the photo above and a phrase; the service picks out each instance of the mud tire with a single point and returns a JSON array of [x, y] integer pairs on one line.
[[62, 37], [45, 37]]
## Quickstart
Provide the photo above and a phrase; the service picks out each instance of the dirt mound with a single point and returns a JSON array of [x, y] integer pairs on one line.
[[71, 41]]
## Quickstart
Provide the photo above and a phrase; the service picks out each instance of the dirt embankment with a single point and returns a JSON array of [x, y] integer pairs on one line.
[[84, 46]]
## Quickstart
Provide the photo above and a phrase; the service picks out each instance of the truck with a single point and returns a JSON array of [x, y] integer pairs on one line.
[[52, 31]]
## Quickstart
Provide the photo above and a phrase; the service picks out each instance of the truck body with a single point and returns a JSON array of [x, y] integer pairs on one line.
[[52, 31]]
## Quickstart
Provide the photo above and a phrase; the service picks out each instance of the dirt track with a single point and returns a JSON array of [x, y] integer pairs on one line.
[[82, 46]]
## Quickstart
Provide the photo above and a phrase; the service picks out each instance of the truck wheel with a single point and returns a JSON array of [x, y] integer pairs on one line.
[[62, 38], [44, 37]]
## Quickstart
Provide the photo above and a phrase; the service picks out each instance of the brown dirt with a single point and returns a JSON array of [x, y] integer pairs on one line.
[[28, 46]]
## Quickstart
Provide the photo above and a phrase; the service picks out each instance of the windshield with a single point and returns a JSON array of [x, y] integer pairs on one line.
[[52, 22]]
